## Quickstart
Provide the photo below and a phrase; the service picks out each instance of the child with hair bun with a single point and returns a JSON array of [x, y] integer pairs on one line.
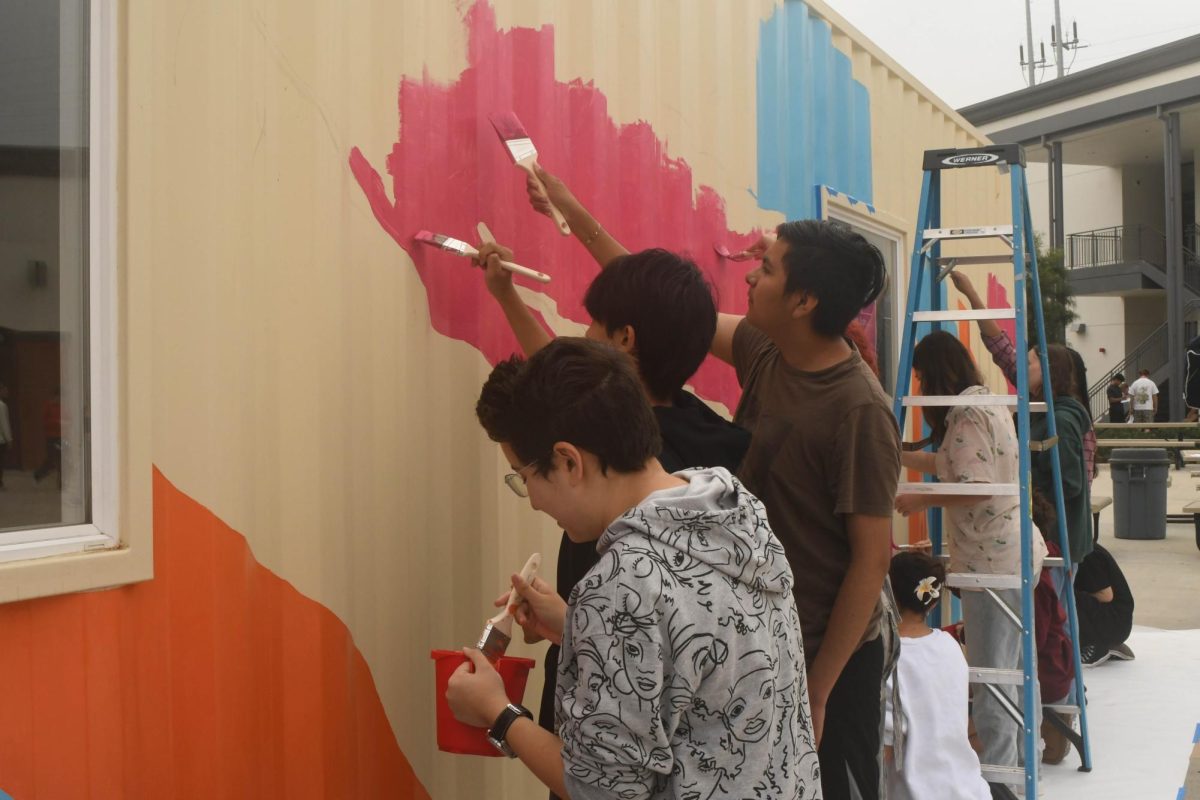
[[929, 755]]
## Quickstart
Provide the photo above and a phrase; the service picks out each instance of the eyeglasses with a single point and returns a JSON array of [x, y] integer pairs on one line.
[[516, 482]]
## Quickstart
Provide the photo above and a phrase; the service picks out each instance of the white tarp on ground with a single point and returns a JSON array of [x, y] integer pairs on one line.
[[1143, 716]]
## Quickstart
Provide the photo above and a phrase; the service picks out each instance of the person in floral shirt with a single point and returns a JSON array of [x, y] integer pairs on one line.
[[976, 444]]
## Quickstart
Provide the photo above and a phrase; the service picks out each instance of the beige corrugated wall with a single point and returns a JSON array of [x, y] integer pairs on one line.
[[299, 390]]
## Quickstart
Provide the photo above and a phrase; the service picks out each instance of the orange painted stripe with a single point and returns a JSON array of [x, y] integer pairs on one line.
[[215, 679]]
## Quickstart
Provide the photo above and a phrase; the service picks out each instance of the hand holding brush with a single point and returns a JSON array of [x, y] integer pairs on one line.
[[497, 634]]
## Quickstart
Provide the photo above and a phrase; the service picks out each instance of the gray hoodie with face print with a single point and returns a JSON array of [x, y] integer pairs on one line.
[[682, 666]]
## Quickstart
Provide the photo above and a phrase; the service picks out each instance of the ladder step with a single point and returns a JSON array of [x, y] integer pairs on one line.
[[982, 580], [1069, 709], [972, 489], [994, 773], [1035, 407], [977, 232], [1053, 562], [997, 677], [913, 400], [998, 258], [964, 315], [1042, 445]]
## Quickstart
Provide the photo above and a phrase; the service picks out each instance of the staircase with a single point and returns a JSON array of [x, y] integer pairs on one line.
[[1151, 354]]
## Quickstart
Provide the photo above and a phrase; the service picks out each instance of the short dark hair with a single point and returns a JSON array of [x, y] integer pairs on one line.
[[1118, 377], [908, 569], [1145, 372], [572, 390], [946, 368], [669, 304], [840, 267]]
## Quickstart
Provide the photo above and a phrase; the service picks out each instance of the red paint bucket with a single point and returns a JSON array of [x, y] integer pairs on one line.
[[452, 735]]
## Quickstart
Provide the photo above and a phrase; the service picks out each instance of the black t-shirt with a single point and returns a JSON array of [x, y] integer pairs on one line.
[[1114, 395], [1099, 570], [693, 436]]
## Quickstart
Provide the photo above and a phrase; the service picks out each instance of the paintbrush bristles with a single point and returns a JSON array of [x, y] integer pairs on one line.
[[508, 126], [445, 242], [516, 140], [494, 640]]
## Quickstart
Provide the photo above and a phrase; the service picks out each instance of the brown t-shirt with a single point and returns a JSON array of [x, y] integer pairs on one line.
[[823, 445]]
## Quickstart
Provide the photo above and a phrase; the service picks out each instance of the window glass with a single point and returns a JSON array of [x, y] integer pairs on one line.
[[44, 386]]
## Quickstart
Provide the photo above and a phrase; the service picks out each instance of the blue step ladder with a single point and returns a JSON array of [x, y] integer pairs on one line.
[[926, 312]]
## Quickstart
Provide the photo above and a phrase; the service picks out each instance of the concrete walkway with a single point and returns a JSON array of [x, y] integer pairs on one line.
[[1163, 574]]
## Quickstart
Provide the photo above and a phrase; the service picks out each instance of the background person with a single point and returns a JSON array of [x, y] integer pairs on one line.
[[1117, 397], [1144, 393]]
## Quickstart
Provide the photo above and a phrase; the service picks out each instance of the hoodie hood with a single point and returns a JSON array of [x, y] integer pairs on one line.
[[714, 521], [1067, 411], [1073, 407]]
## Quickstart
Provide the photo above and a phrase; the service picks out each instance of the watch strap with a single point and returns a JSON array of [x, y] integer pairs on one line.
[[498, 733]]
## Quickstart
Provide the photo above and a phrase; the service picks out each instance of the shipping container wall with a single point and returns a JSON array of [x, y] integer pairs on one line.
[[326, 508]]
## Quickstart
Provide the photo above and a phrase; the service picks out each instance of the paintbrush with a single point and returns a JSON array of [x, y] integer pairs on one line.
[[493, 642], [524, 155], [461, 248], [723, 252]]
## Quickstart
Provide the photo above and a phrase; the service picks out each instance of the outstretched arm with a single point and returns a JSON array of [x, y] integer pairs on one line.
[[591, 234], [987, 327], [529, 332], [722, 343]]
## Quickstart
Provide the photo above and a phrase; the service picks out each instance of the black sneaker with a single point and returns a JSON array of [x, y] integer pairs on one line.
[[1093, 656], [1121, 652]]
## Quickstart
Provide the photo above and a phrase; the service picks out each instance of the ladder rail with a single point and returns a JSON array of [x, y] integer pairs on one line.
[[1022, 237], [1060, 508]]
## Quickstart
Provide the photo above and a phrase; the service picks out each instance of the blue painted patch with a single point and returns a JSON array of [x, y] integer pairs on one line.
[[814, 119], [4, 796]]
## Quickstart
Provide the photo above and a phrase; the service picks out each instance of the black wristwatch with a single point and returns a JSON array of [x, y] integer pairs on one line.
[[499, 730]]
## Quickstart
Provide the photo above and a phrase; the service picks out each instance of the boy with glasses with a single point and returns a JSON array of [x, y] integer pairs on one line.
[[682, 667]]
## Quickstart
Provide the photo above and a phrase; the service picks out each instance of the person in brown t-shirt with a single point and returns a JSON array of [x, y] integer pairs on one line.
[[824, 459]]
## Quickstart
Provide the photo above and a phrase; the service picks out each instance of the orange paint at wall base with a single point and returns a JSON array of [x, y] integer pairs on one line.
[[216, 679]]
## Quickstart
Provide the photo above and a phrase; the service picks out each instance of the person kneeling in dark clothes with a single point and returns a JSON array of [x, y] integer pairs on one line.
[[1105, 607]]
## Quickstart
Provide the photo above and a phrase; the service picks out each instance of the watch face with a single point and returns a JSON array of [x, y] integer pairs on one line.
[[501, 746]]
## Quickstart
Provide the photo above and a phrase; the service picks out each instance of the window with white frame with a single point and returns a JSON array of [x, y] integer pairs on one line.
[[57, 317]]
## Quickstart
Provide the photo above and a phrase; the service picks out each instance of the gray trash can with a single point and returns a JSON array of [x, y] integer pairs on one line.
[[1139, 477]]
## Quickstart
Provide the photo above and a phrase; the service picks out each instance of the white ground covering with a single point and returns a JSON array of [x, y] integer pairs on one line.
[[1142, 716]]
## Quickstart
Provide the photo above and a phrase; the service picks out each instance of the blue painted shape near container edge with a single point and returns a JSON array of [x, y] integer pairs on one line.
[[814, 119]]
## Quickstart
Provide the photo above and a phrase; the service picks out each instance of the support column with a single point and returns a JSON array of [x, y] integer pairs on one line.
[[1054, 181], [1173, 225]]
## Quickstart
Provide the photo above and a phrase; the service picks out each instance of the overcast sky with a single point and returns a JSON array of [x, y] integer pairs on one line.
[[966, 50]]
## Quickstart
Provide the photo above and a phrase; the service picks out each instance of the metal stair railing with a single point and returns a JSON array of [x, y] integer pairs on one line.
[[1150, 354], [1116, 245], [1120, 244]]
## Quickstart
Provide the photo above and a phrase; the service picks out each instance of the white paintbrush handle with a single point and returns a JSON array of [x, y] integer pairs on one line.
[[527, 572], [530, 167], [533, 274], [516, 269]]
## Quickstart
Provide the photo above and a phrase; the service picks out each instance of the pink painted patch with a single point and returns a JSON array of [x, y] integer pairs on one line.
[[449, 171]]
